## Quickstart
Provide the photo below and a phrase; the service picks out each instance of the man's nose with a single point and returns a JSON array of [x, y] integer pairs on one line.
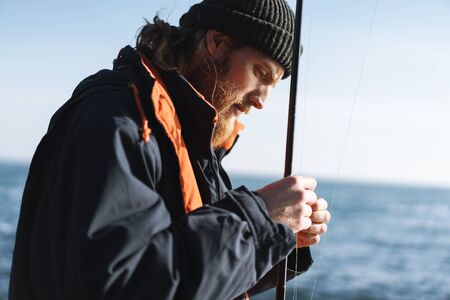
[[259, 98], [257, 102]]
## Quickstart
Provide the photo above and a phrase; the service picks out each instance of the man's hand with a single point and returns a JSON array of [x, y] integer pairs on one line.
[[291, 200], [320, 217]]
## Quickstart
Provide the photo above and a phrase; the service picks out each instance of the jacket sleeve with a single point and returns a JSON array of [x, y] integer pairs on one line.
[[299, 261], [302, 257], [131, 248]]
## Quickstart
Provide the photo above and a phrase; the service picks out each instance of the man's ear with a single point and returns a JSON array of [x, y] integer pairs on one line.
[[217, 44]]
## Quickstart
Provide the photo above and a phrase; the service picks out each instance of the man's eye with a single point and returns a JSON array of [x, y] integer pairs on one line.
[[260, 73]]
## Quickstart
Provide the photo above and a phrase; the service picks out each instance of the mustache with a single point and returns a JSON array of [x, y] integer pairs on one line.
[[244, 106]]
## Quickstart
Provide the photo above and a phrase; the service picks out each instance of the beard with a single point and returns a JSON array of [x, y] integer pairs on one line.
[[210, 78]]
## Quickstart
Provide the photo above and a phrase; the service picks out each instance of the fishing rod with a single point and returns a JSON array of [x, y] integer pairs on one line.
[[282, 266]]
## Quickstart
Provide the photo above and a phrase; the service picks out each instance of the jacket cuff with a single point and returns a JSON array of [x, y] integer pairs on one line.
[[302, 258], [271, 239]]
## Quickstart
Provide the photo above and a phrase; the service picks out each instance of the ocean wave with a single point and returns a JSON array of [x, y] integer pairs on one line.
[[7, 229], [11, 193]]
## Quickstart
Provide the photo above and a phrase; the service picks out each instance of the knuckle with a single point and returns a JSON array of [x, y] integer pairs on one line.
[[299, 182], [309, 196], [294, 180], [307, 211], [307, 222], [301, 196], [303, 210]]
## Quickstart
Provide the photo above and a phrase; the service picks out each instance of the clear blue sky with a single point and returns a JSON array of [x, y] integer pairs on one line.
[[401, 124]]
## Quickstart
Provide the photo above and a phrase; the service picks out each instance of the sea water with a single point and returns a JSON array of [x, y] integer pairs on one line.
[[383, 242]]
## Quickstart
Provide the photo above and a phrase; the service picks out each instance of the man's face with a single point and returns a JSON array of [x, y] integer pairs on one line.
[[241, 79], [249, 79]]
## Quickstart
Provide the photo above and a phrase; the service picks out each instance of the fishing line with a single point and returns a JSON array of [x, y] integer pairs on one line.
[[347, 135]]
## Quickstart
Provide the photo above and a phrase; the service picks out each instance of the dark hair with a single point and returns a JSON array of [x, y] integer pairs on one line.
[[173, 47]]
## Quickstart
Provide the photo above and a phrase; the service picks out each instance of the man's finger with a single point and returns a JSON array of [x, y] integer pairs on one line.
[[321, 216], [307, 239], [304, 224], [320, 204], [307, 211], [309, 183], [316, 229], [310, 197]]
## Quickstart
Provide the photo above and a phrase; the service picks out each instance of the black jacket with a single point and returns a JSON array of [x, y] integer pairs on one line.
[[102, 213]]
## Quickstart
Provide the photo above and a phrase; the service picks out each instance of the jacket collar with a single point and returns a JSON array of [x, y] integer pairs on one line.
[[196, 115]]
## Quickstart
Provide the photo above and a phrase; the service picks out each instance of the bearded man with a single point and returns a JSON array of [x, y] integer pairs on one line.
[[126, 196]]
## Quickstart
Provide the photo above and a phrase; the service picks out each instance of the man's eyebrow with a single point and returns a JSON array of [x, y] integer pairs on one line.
[[273, 74]]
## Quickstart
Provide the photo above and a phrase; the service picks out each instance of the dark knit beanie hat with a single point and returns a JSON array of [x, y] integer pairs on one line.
[[266, 25]]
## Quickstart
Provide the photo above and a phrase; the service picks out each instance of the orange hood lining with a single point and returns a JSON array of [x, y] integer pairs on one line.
[[166, 115]]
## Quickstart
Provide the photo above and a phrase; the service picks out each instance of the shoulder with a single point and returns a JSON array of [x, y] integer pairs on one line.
[[103, 111], [102, 99], [104, 118]]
